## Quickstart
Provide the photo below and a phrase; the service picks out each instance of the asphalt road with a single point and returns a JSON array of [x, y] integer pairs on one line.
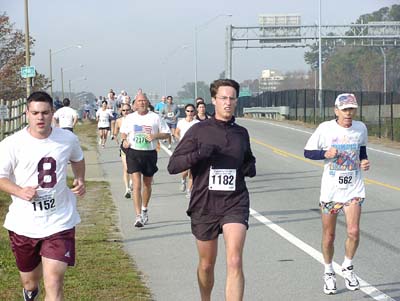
[[282, 256]]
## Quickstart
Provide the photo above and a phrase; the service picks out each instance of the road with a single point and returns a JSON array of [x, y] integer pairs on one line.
[[282, 256]]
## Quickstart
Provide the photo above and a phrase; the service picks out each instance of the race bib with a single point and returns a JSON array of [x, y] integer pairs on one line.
[[44, 204], [345, 179], [141, 142], [170, 114], [222, 179]]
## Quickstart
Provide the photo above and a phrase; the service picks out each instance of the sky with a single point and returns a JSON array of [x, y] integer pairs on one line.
[[131, 44]]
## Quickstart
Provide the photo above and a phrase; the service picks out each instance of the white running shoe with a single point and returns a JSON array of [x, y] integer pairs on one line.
[[329, 283], [188, 193], [183, 185], [139, 221], [145, 216], [169, 146], [350, 278]]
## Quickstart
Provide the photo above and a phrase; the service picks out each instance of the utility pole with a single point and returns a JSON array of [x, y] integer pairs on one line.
[[27, 51]]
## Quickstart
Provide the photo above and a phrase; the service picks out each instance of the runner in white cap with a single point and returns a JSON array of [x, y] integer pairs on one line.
[[341, 143]]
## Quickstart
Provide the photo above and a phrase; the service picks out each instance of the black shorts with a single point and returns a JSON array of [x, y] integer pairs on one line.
[[208, 227], [144, 162]]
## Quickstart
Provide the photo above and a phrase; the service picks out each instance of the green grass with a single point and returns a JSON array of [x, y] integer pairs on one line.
[[103, 270]]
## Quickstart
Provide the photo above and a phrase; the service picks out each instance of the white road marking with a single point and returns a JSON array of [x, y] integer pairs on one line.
[[364, 286]]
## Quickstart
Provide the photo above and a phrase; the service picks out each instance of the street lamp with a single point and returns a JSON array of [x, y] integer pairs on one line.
[[27, 50], [165, 61], [62, 77], [196, 30], [51, 53], [384, 74]]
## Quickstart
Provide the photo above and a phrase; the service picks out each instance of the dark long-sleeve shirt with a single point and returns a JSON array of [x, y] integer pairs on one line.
[[233, 152]]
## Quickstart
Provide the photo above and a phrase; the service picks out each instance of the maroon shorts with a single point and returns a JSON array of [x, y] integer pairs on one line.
[[208, 227], [28, 251]]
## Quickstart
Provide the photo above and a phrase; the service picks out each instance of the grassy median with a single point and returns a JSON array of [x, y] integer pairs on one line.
[[103, 270]]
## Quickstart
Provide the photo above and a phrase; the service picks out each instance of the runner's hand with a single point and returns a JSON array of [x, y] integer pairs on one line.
[[79, 187], [207, 150], [331, 153], [27, 193], [364, 164]]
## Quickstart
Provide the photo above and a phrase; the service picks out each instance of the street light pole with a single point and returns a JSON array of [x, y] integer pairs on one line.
[[384, 74], [196, 30], [27, 50], [321, 108], [51, 66]]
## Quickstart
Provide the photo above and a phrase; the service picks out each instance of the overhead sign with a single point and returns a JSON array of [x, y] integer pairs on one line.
[[3, 112], [28, 71]]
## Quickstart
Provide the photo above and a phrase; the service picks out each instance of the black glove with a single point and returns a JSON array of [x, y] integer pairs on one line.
[[206, 150]]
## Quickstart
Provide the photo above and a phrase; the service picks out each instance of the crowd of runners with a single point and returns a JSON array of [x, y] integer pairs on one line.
[[213, 155]]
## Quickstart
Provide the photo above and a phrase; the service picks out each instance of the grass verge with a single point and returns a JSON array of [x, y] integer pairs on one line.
[[103, 270]]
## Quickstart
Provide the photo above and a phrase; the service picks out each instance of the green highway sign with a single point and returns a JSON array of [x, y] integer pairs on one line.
[[28, 71]]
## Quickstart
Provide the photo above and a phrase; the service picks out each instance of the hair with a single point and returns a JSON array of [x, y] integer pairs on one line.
[[169, 96], [104, 101], [199, 99], [189, 105], [40, 96], [66, 102], [200, 103], [223, 83]]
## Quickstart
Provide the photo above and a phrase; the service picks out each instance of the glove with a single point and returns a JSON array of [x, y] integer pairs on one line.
[[206, 150]]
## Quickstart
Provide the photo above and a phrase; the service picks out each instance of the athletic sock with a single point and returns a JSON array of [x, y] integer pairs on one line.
[[329, 268], [347, 262]]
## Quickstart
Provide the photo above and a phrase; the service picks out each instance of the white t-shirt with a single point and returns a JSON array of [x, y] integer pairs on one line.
[[342, 179], [104, 118], [184, 125], [137, 126], [65, 117], [28, 161]]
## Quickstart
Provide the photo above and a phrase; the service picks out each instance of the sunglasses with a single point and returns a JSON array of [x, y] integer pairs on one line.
[[125, 110], [189, 111]]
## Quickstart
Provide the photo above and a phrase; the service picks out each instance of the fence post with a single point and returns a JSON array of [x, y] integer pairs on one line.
[[2, 123], [361, 105], [305, 106]]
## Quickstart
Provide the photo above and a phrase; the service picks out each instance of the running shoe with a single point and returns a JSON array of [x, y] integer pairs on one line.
[[145, 217], [30, 295], [128, 194], [350, 278], [330, 283], [183, 185], [169, 146], [188, 193], [112, 137], [139, 221]]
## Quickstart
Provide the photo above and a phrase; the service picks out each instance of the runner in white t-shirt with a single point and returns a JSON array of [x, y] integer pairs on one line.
[[103, 118], [66, 117], [139, 133], [42, 216], [180, 131], [341, 143]]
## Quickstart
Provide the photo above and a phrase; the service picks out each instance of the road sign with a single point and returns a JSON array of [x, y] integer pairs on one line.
[[28, 71], [3, 112]]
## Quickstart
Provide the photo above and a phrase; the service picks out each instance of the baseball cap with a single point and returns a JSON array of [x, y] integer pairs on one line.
[[345, 101]]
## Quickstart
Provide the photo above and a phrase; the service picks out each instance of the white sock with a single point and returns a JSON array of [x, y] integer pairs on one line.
[[144, 208], [347, 262], [328, 268]]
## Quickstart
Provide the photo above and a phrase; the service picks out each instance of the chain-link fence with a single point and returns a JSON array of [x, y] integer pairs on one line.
[[379, 111]]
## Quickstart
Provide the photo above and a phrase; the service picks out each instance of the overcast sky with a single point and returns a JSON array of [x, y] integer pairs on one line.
[[125, 42]]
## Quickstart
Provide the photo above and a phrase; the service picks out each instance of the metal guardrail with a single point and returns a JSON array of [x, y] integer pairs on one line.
[[268, 112], [15, 119]]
